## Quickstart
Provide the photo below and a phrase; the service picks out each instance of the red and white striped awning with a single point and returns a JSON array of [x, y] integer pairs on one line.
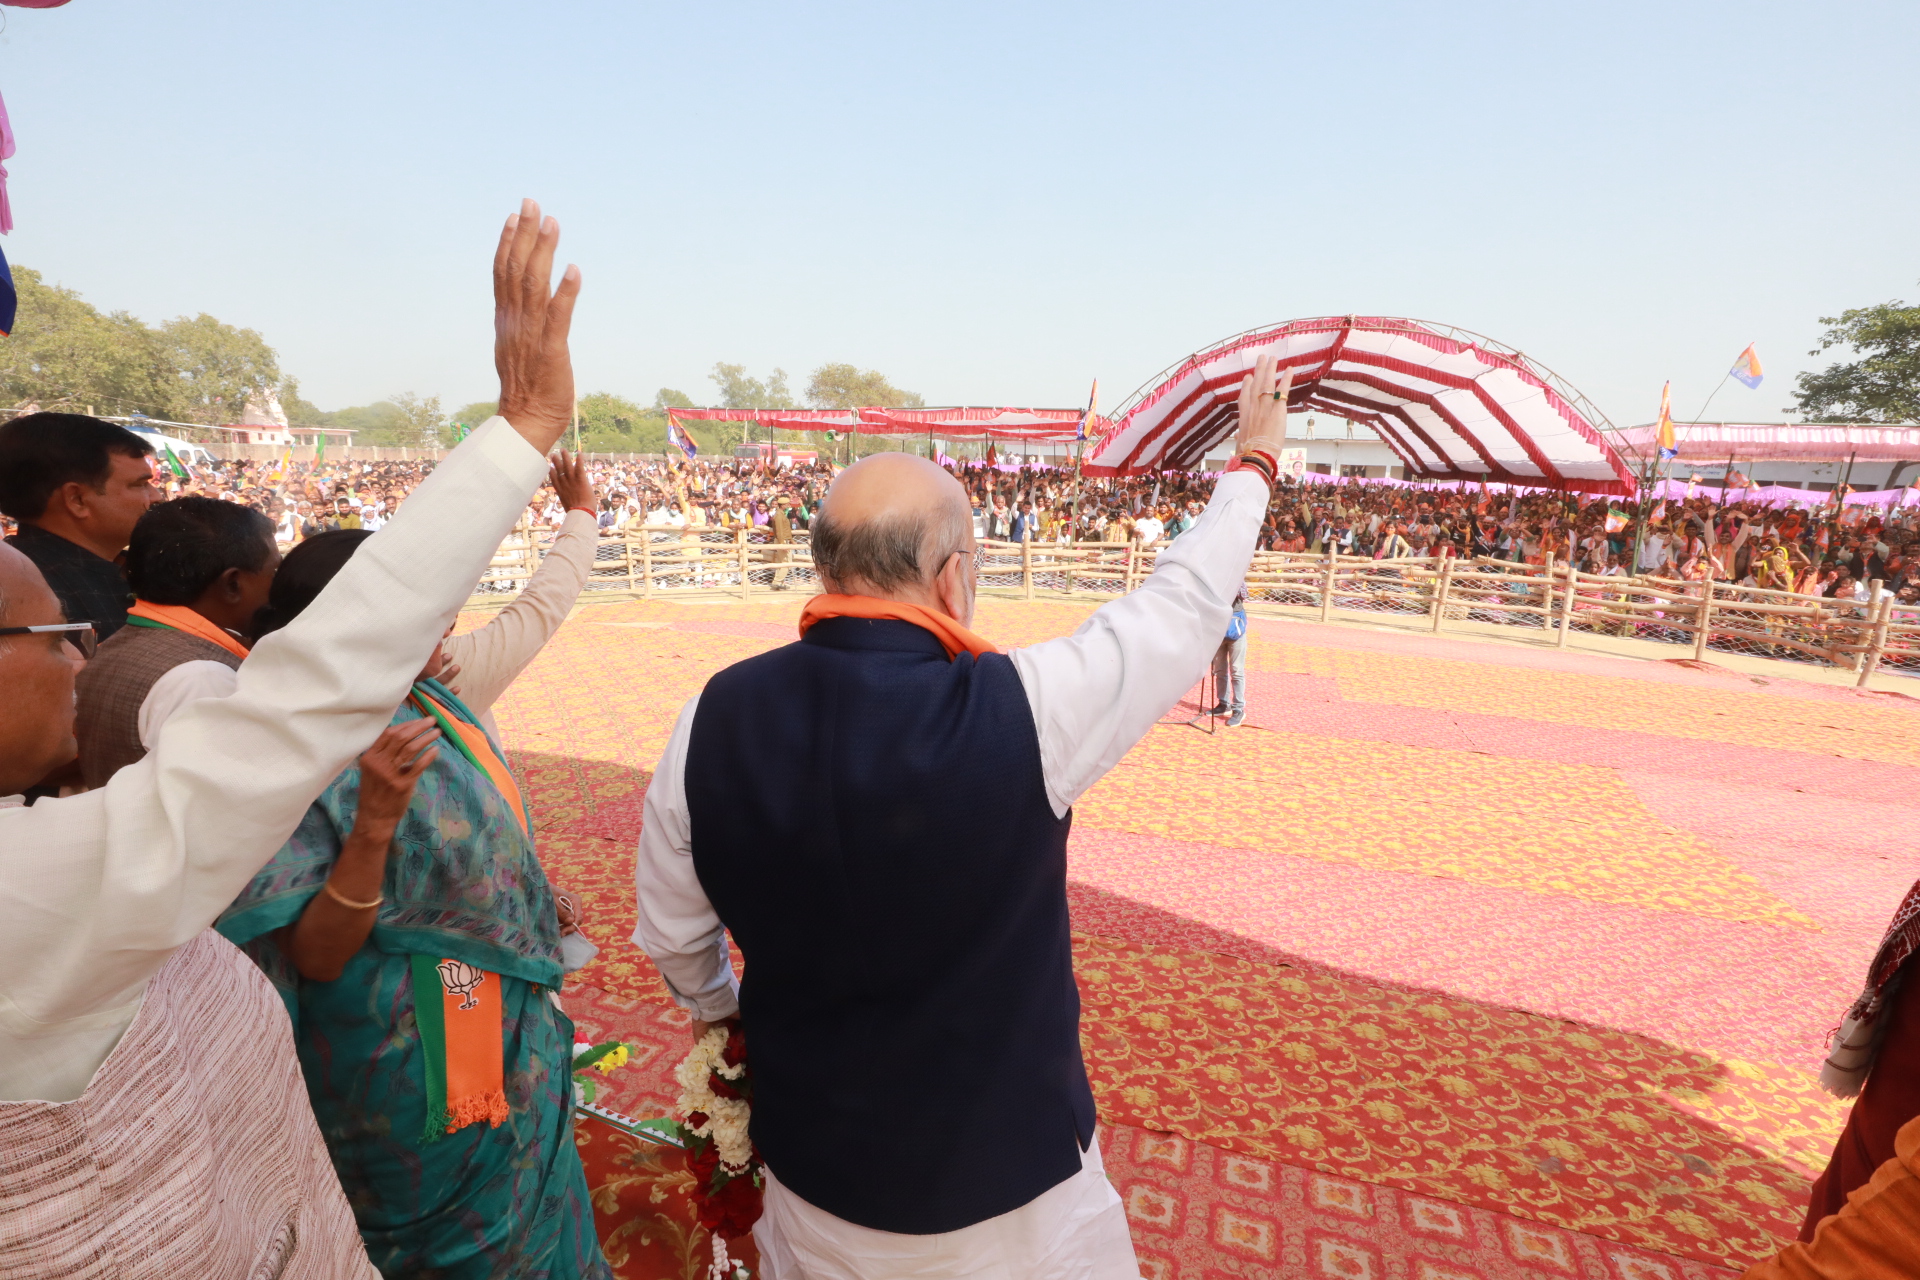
[[1452, 404]]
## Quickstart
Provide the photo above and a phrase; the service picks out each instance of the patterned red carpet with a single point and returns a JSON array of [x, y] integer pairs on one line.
[[1490, 957]]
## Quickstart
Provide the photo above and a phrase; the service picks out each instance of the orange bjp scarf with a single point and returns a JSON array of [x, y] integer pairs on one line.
[[177, 617], [460, 1032], [953, 637]]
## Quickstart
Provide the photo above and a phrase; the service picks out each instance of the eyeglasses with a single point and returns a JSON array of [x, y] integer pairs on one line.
[[80, 635]]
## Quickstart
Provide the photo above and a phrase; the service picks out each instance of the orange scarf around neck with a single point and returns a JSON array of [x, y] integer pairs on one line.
[[953, 637], [181, 618], [474, 744]]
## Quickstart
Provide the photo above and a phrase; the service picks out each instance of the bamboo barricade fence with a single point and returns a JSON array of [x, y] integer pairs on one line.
[[1552, 600]]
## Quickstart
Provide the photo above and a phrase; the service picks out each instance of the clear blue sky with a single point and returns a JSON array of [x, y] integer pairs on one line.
[[991, 203]]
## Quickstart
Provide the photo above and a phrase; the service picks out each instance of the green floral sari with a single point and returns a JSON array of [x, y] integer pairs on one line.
[[462, 882]]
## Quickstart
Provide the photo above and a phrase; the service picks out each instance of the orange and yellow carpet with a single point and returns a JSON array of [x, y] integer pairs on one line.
[[1457, 960]]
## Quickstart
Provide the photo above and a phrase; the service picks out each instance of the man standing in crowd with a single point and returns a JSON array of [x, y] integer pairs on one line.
[[200, 569], [192, 1150], [77, 486], [909, 981], [1230, 665]]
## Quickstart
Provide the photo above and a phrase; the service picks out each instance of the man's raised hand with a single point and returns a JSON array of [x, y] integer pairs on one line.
[[530, 324], [571, 480], [1263, 408]]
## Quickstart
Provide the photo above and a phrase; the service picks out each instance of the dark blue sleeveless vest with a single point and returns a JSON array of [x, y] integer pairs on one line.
[[871, 823]]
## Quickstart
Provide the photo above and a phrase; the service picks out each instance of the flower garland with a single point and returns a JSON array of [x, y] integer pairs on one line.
[[716, 1095]]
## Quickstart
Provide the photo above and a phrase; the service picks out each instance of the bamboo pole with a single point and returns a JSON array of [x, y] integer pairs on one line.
[[1877, 645], [740, 549], [1440, 593], [1326, 594], [1566, 605], [626, 548], [1704, 621], [646, 565], [1026, 569]]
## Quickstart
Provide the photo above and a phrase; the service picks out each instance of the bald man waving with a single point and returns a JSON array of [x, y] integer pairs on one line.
[[879, 815]]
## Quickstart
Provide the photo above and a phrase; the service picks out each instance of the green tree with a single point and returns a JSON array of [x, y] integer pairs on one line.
[[842, 386], [424, 422], [738, 391], [217, 367], [64, 354], [381, 423], [300, 411], [667, 398], [1884, 384]]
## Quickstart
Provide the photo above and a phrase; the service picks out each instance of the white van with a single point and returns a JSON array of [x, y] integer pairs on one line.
[[192, 454]]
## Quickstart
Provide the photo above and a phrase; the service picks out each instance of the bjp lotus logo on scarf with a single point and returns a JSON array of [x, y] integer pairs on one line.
[[461, 979]]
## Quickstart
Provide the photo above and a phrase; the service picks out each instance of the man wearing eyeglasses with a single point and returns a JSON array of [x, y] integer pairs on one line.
[[153, 1117]]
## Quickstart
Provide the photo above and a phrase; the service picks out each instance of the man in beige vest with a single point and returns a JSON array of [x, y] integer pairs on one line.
[[155, 1122], [199, 568]]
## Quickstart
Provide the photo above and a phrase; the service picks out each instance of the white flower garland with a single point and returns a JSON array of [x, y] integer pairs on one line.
[[726, 1117]]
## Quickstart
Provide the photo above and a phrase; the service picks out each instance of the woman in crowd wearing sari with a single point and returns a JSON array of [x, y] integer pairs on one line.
[[409, 928]]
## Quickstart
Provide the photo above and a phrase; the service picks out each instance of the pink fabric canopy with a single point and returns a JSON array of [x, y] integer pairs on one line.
[[1781, 441], [1452, 404], [962, 422]]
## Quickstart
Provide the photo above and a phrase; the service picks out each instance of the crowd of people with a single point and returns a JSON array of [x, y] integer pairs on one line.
[[1816, 548]]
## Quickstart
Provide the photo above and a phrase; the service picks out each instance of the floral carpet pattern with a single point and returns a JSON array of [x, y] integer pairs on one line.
[[1490, 936]]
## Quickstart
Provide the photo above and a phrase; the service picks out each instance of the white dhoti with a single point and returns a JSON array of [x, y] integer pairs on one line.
[[1076, 1230]]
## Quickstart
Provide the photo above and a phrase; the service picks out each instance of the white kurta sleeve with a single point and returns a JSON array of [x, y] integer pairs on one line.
[[493, 656], [677, 926], [1096, 692], [99, 889], [185, 683]]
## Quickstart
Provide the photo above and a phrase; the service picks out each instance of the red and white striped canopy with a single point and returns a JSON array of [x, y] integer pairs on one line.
[[1452, 404]]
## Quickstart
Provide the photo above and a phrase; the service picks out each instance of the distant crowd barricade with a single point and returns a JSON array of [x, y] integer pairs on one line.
[[1554, 601]]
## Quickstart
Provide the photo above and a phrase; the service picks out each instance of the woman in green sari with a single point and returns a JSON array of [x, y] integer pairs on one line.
[[416, 941]]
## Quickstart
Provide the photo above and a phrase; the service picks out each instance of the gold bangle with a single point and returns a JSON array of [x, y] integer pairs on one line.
[[349, 903]]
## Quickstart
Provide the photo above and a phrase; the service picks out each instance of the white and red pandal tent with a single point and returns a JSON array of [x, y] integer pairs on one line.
[[1452, 404]]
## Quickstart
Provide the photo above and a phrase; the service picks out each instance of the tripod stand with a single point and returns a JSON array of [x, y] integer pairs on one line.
[[1209, 699]]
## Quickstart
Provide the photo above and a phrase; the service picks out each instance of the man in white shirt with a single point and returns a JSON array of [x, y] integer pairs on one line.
[[155, 1123], [907, 795], [1147, 529]]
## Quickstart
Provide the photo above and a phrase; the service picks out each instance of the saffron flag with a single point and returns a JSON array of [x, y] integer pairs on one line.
[[285, 459], [1747, 367], [1616, 520], [1667, 447], [1093, 407]]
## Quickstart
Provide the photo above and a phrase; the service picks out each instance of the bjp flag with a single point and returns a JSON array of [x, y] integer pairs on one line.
[[1747, 368]]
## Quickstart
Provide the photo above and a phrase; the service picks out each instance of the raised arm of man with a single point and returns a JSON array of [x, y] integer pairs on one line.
[[97, 891]]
